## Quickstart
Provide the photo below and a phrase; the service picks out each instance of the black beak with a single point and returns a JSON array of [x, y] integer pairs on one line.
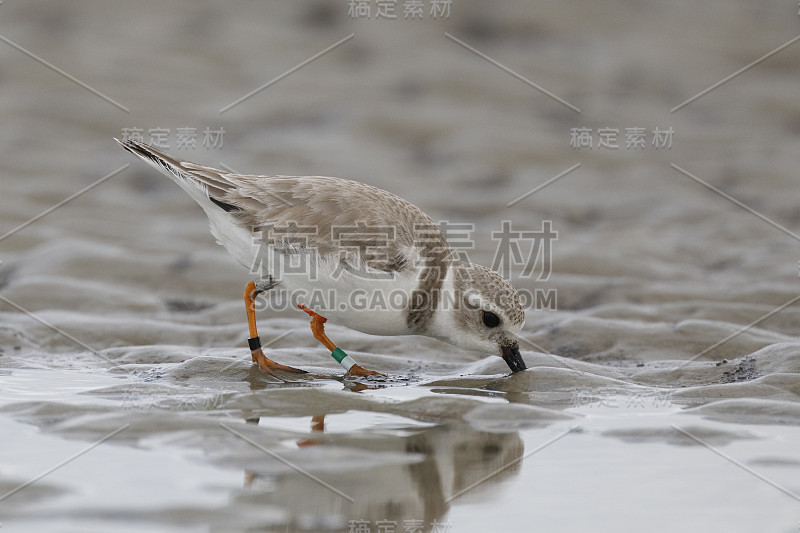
[[512, 357]]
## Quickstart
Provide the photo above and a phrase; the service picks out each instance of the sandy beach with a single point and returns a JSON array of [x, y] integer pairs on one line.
[[630, 167]]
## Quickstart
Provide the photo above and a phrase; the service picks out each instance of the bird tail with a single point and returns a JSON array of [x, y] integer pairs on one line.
[[205, 185], [209, 188]]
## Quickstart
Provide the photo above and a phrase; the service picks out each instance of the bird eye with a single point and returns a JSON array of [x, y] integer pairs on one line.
[[489, 319]]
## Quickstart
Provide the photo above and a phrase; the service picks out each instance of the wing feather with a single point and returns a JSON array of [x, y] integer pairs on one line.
[[331, 215]]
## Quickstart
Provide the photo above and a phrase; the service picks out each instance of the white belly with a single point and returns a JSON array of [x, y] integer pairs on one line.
[[369, 302]]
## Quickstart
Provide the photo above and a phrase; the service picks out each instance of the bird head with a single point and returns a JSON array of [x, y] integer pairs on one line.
[[488, 313]]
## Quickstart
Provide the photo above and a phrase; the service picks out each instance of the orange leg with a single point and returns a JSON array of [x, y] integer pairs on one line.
[[264, 363], [318, 329], [317, 426]]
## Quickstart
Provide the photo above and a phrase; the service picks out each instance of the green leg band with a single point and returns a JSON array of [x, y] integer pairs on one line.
[[343, 359]]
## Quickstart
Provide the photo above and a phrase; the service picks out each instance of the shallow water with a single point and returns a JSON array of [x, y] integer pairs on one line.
[[664, 375], [465, 452]]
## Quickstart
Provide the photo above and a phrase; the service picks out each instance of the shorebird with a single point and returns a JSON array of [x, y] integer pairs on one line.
[[367, 258]]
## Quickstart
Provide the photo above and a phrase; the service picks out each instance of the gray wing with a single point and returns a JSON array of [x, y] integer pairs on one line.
[[331, 215]]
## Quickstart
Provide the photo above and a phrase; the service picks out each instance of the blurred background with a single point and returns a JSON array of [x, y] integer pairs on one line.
[[415, 106]]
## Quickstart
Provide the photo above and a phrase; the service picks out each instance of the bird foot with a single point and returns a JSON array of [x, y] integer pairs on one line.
[[269, 366], [358, 370]]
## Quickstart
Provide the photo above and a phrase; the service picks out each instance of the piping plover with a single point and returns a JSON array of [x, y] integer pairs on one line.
[[381, 264]]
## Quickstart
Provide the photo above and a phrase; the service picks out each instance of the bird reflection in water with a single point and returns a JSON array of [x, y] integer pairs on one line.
[[408, 474]]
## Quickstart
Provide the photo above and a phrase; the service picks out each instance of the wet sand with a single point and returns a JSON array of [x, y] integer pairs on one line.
[[664, 372]]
